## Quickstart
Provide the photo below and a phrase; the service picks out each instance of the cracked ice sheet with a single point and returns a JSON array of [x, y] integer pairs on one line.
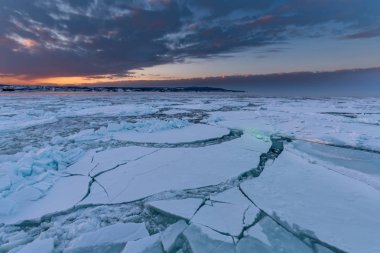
[[340, 210], [69, 190], [178, 169], [190, 133], [97, 162], [165, 170]]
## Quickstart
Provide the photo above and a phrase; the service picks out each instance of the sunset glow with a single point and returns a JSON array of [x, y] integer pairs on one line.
[[66, 43]]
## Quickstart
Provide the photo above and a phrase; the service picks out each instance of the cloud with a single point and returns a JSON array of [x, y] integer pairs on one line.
[[112, 37], [23, 42], [364, 34]]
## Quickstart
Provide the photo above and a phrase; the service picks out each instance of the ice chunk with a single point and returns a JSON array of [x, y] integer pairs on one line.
[[227, 212], [150, 244], [5, 183], [252, 245], [108, 239], [7, 206], [258, 233], [39, 245], [277, 238], [14, 242], [321, 249], [203, 240], [24, 171], [182, 208], [222, 217], [170, 235]]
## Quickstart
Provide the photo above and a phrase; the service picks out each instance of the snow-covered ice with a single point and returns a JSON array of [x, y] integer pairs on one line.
[[188, 173]]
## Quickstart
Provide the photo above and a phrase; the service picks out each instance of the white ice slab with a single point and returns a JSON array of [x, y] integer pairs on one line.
[[225, 218], [39, 245], [340, 210], [67, 192], [227, 212], [108, 239], [170, 235], [204, 240], [182, 208], [252, 245], [275, 238], [143, 245]]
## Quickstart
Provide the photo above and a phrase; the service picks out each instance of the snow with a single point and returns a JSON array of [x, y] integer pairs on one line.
[[183, 208]]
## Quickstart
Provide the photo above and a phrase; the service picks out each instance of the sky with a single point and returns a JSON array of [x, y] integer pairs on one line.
[[105, 41]]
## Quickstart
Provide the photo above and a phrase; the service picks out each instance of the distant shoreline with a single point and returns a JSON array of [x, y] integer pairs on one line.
[[24, 88]]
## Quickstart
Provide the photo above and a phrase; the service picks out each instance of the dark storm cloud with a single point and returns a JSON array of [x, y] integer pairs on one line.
[[112, 37]]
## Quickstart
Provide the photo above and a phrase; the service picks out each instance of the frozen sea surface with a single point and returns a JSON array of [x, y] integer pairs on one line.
[[188, 173]]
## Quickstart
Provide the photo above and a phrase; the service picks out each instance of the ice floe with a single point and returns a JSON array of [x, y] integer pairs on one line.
[[188, 173]]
